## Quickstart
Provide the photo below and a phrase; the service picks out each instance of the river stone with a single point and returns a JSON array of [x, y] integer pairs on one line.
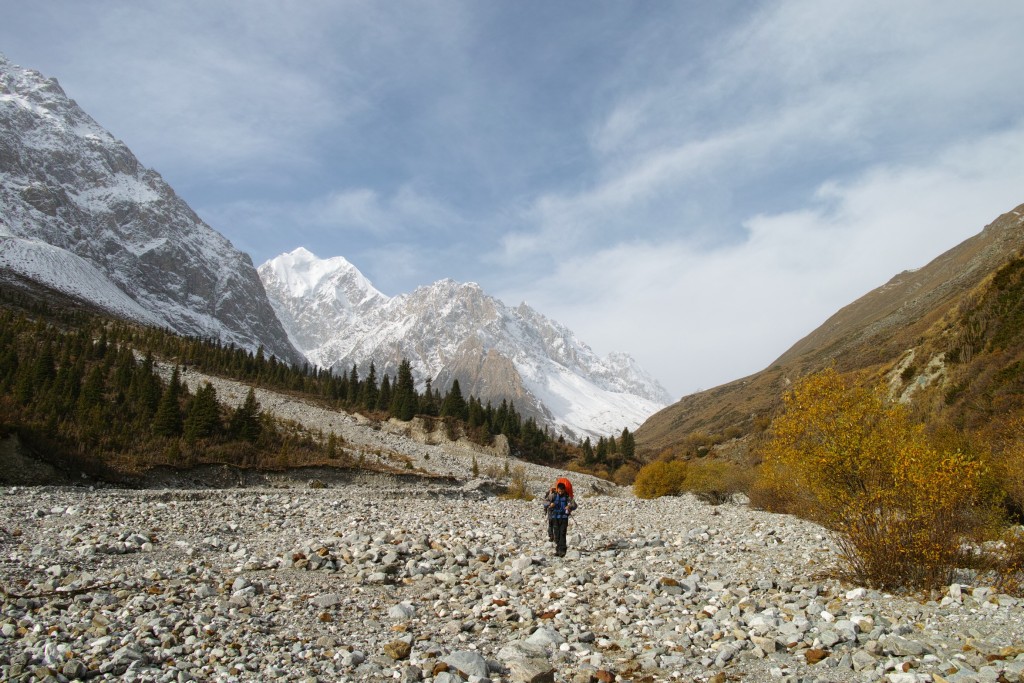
[[468, 663]]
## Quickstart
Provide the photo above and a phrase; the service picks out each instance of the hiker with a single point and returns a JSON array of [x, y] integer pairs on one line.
[[561, 506]]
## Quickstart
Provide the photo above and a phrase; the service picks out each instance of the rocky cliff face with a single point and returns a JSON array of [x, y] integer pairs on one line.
[[450, 331], [80, 214]]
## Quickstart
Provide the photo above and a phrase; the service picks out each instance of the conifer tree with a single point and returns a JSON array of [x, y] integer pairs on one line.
[[353, 386], [477, 416], [384, 396], [614, 458], [245, 421], [144, 392], [430, 403], [369, 392], [203, 416], [454, 404], [627, 444], [167, 421], [500, 421], [8, 366], [123, 373], [588, 452], [92, 391], [513, 422], [43, 370], [404, 399]]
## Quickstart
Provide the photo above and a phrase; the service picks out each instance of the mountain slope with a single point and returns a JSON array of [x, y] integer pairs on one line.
[[452, 331], [79, 213], [901, 331]]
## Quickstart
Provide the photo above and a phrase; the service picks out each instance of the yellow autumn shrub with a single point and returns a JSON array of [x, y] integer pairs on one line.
[[1009, 461], [660, 478], [846, 457], [715, 481]]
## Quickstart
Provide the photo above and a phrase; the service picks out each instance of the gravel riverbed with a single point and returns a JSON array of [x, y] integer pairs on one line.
[[403, 578], [419, 581]]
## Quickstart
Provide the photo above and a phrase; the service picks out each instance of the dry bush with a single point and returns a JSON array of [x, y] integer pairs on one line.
[[495, 471], [1008, 563], [1009, 462], [625, 474], [660, 478], [518, 488], [715, 481], [902, 510]]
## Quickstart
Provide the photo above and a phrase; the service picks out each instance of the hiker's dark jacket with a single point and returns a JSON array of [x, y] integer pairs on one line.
[[561, 505]]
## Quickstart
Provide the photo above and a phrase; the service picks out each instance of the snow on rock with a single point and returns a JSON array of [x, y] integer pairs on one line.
[[126, 241], [451, 330]]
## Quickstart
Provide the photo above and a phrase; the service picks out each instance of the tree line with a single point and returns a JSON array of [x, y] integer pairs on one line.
[[86, 387]]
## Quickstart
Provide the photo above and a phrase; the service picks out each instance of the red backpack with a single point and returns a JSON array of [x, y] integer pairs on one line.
[[568, 485]]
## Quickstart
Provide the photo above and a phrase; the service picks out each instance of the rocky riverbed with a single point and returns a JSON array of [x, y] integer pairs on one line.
[[339, 576], [424, 581]]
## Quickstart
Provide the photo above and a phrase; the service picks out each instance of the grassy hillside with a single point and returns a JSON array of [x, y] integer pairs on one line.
[[946, 335]]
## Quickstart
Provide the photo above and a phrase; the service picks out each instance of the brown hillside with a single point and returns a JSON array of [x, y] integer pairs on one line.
[[872, 334]]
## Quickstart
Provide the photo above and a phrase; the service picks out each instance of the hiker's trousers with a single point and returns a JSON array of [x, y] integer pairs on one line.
[[561, 530]]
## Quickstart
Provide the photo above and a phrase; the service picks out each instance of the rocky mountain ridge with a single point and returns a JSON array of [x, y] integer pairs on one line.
[[900, 332], [79, 214], [455, 331]]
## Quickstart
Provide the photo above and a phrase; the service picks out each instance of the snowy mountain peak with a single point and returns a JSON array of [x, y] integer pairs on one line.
[[300, 272], [450, 330], [80, 214]]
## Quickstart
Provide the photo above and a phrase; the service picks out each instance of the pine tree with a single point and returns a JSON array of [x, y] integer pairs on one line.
[[123, 373], [429, 404], [245, 421], [144, 391], [512, 426], [477, 417], [203, 416], [353, 386], [454, 405], [614, 456], [167, 421], [627, 444], [8, 366], [369, 392], [588, 452], [92, 391], [404, 399], [43, 370], [384, 396]]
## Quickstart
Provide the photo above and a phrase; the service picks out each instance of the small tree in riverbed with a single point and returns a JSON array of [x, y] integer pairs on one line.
[[902, 510]]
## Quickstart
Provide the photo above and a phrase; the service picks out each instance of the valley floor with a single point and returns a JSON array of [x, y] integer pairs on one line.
[[385, 577]]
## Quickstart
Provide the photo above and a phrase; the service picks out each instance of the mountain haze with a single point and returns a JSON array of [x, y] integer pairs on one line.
[[928, 332], [455, 331], [81, 216]]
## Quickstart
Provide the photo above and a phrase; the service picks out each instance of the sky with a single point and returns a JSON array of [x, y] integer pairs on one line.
[[697, 184]]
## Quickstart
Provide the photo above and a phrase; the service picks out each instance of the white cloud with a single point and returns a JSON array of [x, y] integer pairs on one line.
[[363, 209], [702, 181], [697, 318]]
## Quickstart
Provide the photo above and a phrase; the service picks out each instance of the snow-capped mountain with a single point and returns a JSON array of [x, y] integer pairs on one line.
[[79, 214], [449, 331]]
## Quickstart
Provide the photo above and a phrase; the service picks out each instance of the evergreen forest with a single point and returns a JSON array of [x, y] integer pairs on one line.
[[83, 392]]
